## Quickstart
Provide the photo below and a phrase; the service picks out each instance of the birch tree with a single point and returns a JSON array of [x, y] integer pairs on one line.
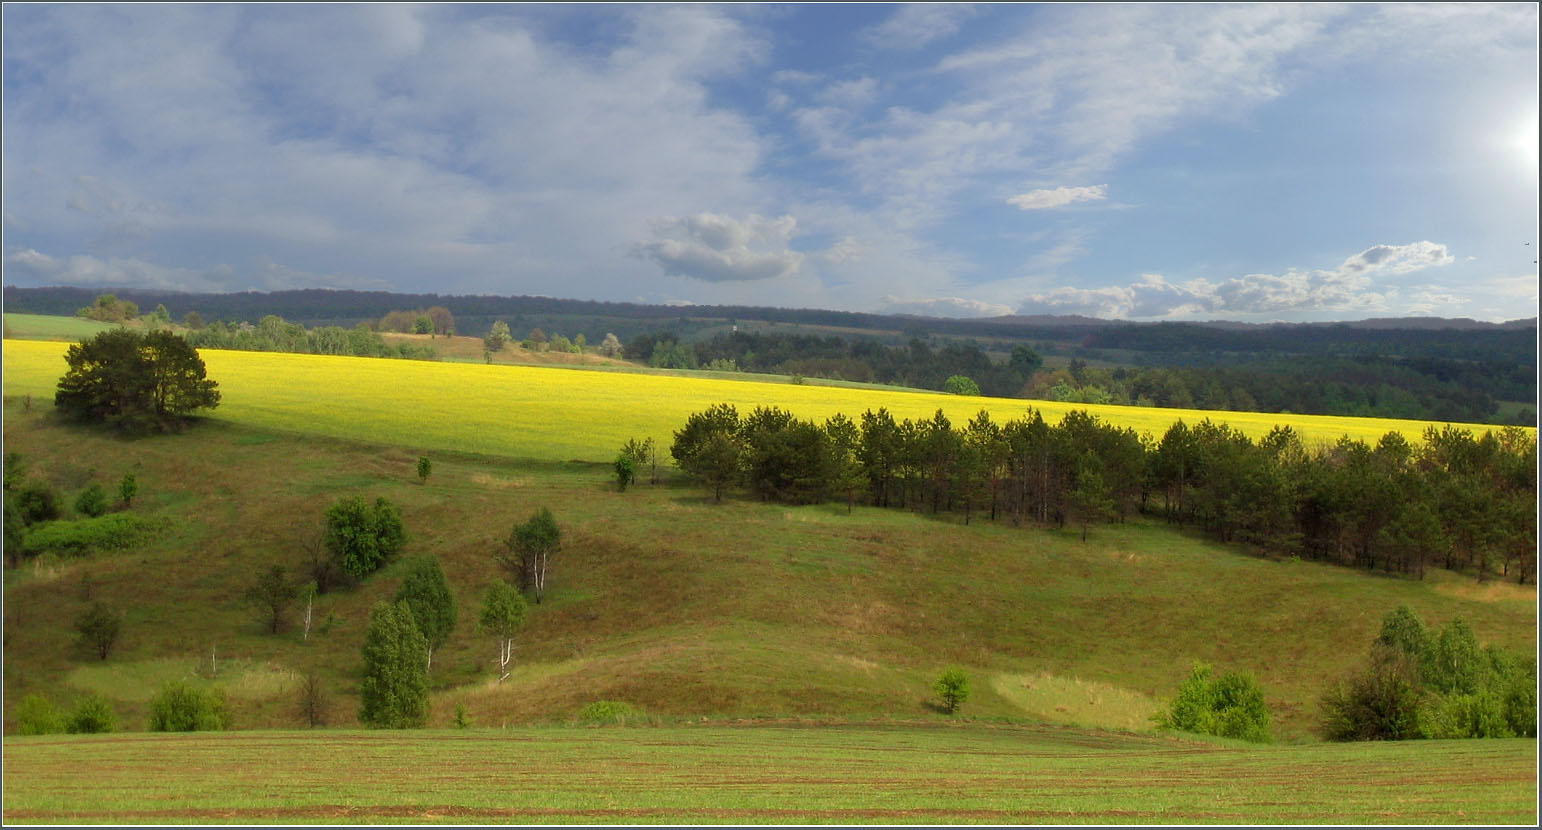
[[503, 613]]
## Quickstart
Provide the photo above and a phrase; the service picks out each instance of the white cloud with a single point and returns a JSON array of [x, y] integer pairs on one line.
[[717, 248], [1349, 287], [944, 307], [1058, 197], [914, 25]]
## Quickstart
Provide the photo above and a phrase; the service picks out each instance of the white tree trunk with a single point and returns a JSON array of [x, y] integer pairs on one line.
[[308, 602], [505, 656]]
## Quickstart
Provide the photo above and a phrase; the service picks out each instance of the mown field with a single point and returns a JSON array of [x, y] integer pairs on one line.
[[566, 414], [761, 774], [47, 327]]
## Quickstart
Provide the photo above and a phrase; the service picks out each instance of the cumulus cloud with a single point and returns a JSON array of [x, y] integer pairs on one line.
[[718, 248], [944, 307], [1058, 197], [1349, 287]]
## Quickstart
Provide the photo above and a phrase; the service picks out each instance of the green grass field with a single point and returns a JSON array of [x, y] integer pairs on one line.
[[761, 774], [48, 327]]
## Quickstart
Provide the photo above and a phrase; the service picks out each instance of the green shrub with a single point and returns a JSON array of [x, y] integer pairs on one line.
[[1380, 703], [37, 715], [38, 501], [92, 501], [609, 711], [92, 715], [462, 717], [953, 688], [76, 536], [1229, 706], [181, 707]]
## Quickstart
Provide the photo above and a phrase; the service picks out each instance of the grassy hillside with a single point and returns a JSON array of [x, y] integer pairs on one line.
[[555, 414], [781, 773], [46, 327], [660, 598]]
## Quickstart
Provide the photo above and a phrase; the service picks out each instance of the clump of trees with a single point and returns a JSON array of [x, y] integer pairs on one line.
[[109, 309], [1417, 683], [1229, 705], [273, 334], [135, 381], [433, 320], [1458, 501]]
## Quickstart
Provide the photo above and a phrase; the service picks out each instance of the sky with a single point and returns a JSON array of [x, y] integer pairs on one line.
[[1144, 162]]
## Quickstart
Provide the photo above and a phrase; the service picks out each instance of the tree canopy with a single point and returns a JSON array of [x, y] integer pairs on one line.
[[135, 381]]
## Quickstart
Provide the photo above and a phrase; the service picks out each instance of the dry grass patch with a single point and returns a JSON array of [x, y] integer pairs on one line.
[[1078, 702]]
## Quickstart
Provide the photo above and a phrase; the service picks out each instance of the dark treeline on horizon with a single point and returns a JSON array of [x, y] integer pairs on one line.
[[1459, 502]]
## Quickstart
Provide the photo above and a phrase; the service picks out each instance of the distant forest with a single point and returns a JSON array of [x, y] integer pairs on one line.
[[1452, 370]]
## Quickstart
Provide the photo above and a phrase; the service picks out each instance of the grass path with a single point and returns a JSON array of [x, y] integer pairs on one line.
[[865, 773]]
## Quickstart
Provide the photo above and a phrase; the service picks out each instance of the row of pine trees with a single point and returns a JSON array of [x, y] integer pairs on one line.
[[1457, 500]]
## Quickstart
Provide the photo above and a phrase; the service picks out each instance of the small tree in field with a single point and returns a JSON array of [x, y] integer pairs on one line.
[[272, 594], [503, 613], [424, 468], [98, 628], [953, 688], [432, 603], [128, 488], [394, 691], [626, 471], [529, 549], [497, 337]]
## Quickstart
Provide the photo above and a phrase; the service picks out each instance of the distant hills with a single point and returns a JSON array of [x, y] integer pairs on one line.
[[325, 306]]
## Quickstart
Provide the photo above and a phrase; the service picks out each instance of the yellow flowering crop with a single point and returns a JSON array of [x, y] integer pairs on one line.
[[562, 414]]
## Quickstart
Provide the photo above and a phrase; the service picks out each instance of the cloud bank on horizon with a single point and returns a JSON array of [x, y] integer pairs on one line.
[[1143, 162]]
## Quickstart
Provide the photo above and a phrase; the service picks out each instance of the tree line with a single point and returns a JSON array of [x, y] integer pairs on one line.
[[274, 334], [1457, 501]]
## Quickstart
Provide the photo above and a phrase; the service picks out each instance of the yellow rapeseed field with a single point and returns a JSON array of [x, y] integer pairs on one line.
[[570, 414]]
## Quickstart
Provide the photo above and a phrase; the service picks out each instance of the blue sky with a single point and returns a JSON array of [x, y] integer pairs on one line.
[[1149, 162]]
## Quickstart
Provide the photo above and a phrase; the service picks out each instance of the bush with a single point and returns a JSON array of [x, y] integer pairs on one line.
[[609, 711], [180, 707], [1229, 706], [37, 715], [1380, 703], [92, 501], [93, 715], [960, 385], [361, 537], [38, 502], [127, 489], [953, 688], [77, 536], [626, 471]]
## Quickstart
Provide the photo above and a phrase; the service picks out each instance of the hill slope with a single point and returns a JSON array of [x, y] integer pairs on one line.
[[671, 603]]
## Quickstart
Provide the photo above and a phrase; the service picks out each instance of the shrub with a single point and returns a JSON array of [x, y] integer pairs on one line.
[[1380, 703], [609, 711], [76, 536], [960, 385], [1229, 706], [626, 471], [462, 718], [37, 715], [180, 707], [361, 537], [93, 715], [92, 501], [953, 688], [38, 502], [127, 489], [424, 468]]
